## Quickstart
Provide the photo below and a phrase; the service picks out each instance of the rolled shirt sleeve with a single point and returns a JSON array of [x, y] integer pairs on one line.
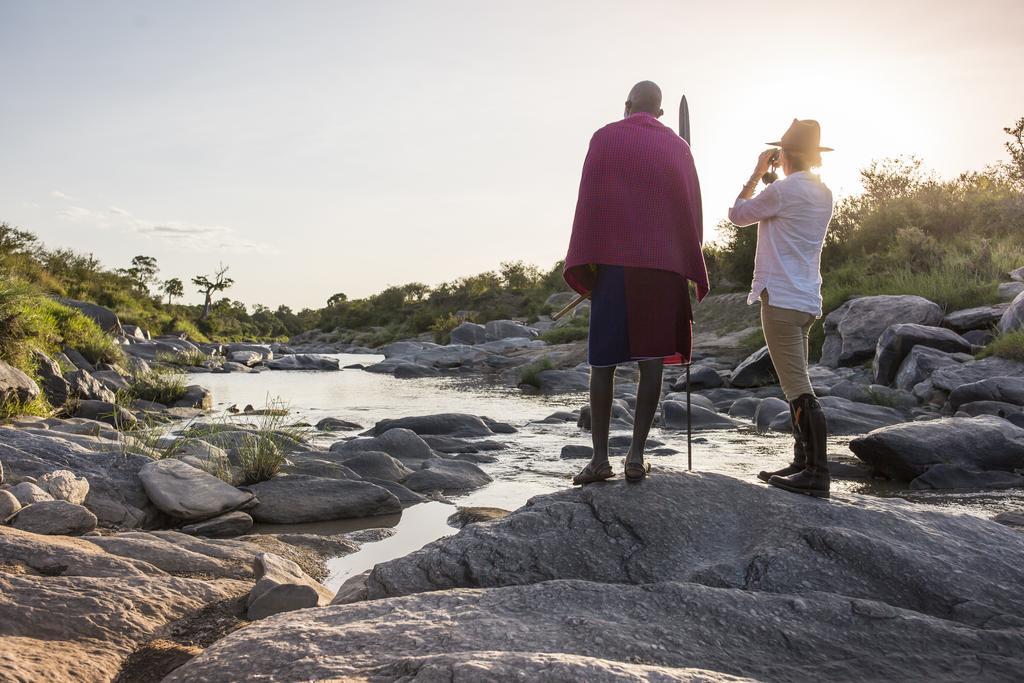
[[749, 211]]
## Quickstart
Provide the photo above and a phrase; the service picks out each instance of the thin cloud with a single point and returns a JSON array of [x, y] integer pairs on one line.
[[57, 194], [184, 235]]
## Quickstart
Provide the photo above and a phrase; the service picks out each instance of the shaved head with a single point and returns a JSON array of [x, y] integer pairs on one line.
[[645, 96]]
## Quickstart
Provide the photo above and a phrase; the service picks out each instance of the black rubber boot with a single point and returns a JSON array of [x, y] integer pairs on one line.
[[814, 479], [799, 453]]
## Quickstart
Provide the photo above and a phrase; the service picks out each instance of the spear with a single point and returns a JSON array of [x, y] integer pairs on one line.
[[684, 133]]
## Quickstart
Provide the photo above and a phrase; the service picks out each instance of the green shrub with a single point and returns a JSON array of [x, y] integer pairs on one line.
[[564, 335], [13, 408], [159, 385], [262, 453], [528, 375], [1008, 345], [442, 328]]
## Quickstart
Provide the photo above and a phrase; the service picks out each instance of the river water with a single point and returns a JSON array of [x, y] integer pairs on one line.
[[529, 467]]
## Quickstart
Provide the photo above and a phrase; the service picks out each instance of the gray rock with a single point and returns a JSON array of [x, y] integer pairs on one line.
[[997, 408], [1013, 317], [115, 496], [303, 361], [978, 318], [744, 408], [281, 586], [622, 417], [476, 515], [404, 348], [606, 633], [400, 443], [110, 379], [469, 334], [907, 451], [919, 365], [377, 465], [886, 551], [195, 396], [1002, 389], [950, 377], [292, 499], [945, 477], [187, 493], [317, 464], [768, 410], [76, 359], [135, 332], [845, 417], [404, 370], [853, 329], [979, 337], [54, 517], [449, 424], [755, 371], [576, 452], [263, 350], [246, 358], [673, 416], [562, 381], [1008, 291], [15, 385], [405, 496], [65, 485], [446, 475], [84, 386], [9, 504], [104, 411], [28, 493], [228, 525], [1010, 519], [451, 444], [897, 340], [333, 424], [503, 329], [54, 385], [104, 317], [701, 377]]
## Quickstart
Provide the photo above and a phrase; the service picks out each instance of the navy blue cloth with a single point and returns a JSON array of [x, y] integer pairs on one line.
[[609, 318]]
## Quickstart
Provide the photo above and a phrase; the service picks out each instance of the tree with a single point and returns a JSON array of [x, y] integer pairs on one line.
[[207, 285], [173, 288], [336, 299], [142, 272], [1016, 149]]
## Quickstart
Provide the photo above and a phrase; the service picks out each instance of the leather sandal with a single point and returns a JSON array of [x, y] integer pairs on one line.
[[636, 471], [590, 474]]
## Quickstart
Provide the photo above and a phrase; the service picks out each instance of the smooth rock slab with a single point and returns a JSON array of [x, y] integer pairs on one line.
[[853, 329], [187, 493], [950, 377], [593, 632], [449, 424], [294, 498], [54, 517], [402, 444], [845, 417], [446, 475], [303, 362], [281, 586], [377, 465], [897, 341], [908, 450], [227, 525], [673, 416], [1002, 389], [945, 477]]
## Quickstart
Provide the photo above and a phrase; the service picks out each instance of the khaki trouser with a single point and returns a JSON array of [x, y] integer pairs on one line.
[[786, 332]]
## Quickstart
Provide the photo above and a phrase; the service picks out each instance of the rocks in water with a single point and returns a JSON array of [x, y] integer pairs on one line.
[[317, 464], [505, 329], [281, 586], [377, 465], [104, 317], [195, 396], [744, 408], [952, 376], [978, 318], [576, 452], [15, 385], [1002, 389], [755, 371], [449, 424], [475, 515], [303, 361], [897, 340], [767, 410], [228, 525], [9, 504], [407, 370], [450, 444], [701, 377], [263, 350], [853, 329], [54, 517], [562, 381], [65, 485], [946, 477], [295, 498], [187, 493], [469, 333], [333, 424], [907, 451], [622, 417], [1013, 318], [845, 417], [443, 475], [104, 411], [403, 444], [920, 364], [673, 416], [246, 358], [27, 493]]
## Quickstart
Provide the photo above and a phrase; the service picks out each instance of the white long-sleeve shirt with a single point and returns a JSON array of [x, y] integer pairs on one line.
[[792, 216]]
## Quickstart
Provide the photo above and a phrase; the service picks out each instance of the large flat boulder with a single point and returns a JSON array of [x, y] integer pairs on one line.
[[844, 417], [468, 333], [950, 377], [303, 361], [448, 424], [907, 451], [977, 318], [853, 329], [292, 499], [1002, 389], [444, 475], [898, 340], [504, 329], [188, 493], [54, 517]]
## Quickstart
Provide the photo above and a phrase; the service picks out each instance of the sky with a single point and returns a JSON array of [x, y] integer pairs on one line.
[[324, 147]]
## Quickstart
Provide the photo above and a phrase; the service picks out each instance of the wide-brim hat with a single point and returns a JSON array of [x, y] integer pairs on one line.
[[803, 136]]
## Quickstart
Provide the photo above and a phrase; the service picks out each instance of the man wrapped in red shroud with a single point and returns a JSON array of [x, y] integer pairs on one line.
[[635, 246]]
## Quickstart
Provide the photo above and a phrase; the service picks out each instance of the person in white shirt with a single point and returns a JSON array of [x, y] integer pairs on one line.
[[792, 217]]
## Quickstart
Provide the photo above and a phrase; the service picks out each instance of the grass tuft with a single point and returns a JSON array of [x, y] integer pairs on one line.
[[529, 373], [1009, 345]]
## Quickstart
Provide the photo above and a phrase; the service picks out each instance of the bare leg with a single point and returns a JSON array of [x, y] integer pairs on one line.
[[648, 393], [602, 381]]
